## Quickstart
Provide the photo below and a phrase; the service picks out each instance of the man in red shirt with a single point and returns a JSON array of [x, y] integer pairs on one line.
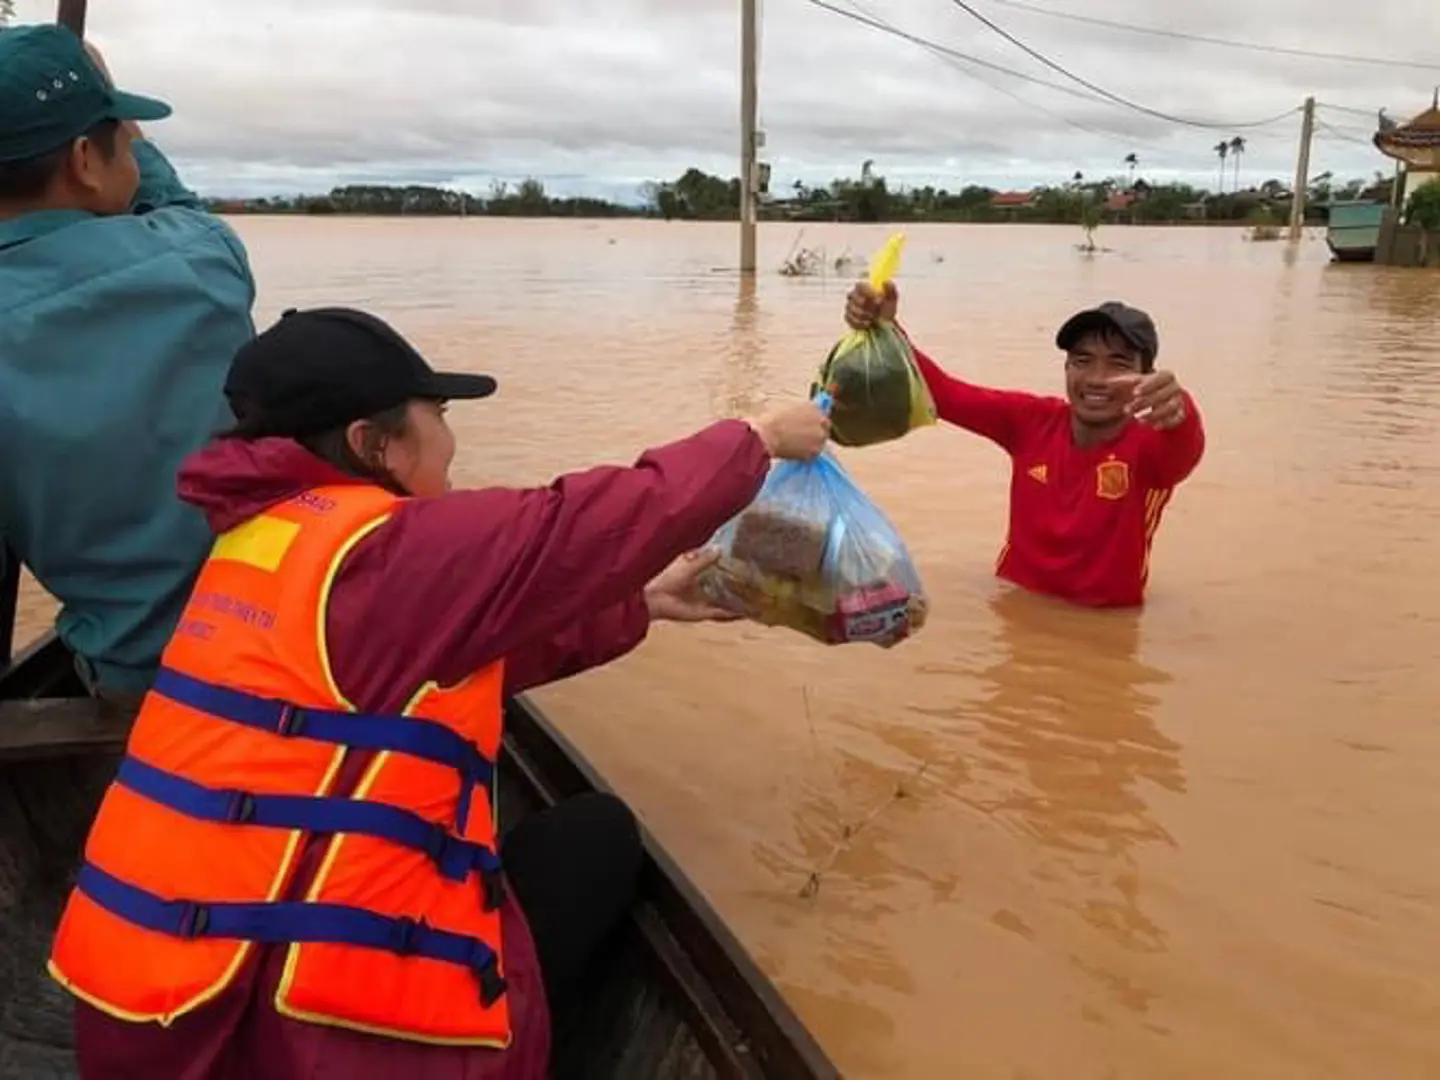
[[1091, 473]]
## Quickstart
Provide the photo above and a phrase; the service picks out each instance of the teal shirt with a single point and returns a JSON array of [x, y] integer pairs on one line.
[[116, 334]]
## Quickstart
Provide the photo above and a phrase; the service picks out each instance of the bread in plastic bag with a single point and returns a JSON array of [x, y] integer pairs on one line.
[[879, 393], [813, 553]]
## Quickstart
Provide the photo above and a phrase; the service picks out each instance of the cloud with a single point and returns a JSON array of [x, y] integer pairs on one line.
[[598, 97]]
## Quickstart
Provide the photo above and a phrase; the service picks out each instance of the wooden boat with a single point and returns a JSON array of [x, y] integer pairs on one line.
[[681, 999], [1354, 229]]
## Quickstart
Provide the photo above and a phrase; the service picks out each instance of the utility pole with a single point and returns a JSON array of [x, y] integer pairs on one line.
[[749, 46], [1302, 171], [71, 15]]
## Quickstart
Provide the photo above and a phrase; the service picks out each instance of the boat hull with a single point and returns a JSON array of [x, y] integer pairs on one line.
[[679, 999], [1351, 254]]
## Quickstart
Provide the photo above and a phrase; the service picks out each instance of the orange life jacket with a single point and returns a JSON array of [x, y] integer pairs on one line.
[[232, 764]]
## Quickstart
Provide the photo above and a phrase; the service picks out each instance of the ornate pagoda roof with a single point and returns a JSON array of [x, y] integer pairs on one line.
[[1421, 133]]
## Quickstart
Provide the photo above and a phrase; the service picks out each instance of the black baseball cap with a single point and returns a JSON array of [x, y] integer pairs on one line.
[[1132, 324], [325, 367]]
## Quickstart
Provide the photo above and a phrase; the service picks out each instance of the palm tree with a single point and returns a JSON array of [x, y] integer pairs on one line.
[[7, 11], [1222, 148], [1132, 160], [1237, 148], [866, 171]]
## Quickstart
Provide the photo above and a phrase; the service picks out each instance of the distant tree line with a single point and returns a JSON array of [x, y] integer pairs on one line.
[[528, 199], [699, 196]]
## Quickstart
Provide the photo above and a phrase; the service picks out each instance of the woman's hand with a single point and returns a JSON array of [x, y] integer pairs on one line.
[[797, 431], [675, 596]]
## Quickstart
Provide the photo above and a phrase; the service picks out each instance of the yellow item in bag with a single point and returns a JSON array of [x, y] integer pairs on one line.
[[878, 391]]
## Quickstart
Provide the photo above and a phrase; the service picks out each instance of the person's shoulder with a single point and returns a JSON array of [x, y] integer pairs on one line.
[[129, 236], [184, 223], [207, 243]]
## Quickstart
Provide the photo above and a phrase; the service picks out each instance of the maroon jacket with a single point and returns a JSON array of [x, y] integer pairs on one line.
[[548, 578]]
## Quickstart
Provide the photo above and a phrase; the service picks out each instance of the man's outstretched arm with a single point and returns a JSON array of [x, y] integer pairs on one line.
[[1175, 432], [1173, 453], [1002, 416], [999, 415]]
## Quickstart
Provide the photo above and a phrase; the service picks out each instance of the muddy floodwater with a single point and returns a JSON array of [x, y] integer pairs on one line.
[[1197, 842]]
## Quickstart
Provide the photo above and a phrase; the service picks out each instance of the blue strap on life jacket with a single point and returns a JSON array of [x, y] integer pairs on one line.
[[405, 734], [285, 922], [455, 857]]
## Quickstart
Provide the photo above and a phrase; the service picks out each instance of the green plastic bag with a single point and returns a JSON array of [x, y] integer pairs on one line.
[[878, 391]]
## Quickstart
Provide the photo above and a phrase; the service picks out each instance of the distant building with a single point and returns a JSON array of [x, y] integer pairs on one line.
[[1009, 202], [1118, 207]]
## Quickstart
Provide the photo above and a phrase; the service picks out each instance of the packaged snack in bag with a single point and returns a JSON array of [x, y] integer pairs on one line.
[[879, 393], [813, 553]]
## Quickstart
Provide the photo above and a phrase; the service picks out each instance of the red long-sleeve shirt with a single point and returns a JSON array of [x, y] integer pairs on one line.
[[548, 578], [1082, 519]]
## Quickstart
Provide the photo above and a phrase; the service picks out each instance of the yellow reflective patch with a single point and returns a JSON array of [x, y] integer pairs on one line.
[[261, 542]]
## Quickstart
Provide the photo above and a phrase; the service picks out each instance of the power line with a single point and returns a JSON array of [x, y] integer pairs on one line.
[[958, 59], [945, 55], [1115, 137], [1227, 42], [1365, 135], [1335, 133], [1356, 132], [1348, 108], [945, 50], [965, 7]]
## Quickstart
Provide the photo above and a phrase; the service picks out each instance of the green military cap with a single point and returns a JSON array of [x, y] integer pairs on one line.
[[51, 93]]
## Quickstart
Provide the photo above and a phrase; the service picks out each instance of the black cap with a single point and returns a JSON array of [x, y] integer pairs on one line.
[[326, 367], [1130, 323]]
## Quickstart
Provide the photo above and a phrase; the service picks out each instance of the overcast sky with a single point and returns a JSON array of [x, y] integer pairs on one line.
[[600, 96]]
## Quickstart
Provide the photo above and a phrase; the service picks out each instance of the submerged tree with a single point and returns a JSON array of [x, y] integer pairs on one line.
[[1262, 224], [1090, 221]]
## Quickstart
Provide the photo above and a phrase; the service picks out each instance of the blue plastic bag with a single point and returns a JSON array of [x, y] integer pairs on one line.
[[813, 553]]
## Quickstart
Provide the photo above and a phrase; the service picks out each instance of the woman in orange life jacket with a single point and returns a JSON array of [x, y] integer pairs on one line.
[[296, 873]]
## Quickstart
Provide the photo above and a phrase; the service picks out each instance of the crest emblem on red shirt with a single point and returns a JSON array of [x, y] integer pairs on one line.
[[1112, 479]]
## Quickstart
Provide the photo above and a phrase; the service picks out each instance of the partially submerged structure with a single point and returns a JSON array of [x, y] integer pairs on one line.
[[1415, 145]]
